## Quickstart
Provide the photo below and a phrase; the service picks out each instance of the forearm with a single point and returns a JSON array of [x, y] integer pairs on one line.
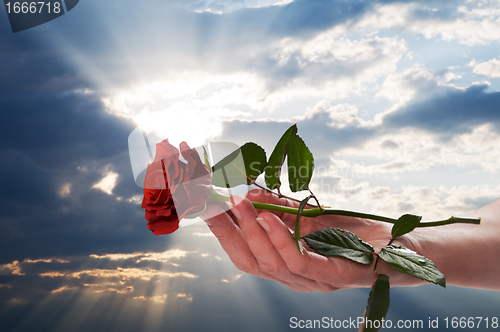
[[468, 255]]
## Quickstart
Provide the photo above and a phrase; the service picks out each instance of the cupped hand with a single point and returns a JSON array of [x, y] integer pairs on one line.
[[261, 243]]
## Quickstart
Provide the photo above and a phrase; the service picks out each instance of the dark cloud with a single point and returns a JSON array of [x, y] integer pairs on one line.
[[455, 113], [55, 133], [61, 128], [447, 113], [29, 66], [24, 184], [319, 135]]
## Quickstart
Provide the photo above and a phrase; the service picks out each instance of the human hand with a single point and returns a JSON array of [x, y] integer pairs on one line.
[[262, 244]]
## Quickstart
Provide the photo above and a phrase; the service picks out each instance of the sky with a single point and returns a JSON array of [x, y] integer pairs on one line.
[[397, 100]]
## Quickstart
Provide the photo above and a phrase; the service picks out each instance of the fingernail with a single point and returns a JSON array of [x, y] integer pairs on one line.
[[263, 223], [236, 213]]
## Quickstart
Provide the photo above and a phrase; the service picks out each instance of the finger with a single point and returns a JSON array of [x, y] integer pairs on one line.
[[264, 196], [234, 244], [269, 197], [266, 255], [231, 238], [336, 271]]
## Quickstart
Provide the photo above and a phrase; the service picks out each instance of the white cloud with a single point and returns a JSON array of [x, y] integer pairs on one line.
[[473, 24], [107, 183], [403, 87], [418, 150], [157, 298], [188, 298], [336, 116], [191, 106], [431, 202], [65, 190], [145, 256], [437, 202], [225, 6], [489, 68], [331, 65], [123, 273], [468, 32], [385, 16]]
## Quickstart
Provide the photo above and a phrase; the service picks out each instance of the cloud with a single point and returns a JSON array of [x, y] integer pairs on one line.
[[470, 24], [418, 150], [219, 7], [320, 136], [122, 274], [336, 116], [193, 105], [179, 38], [489, 68], [437, 202], [188, 298], [22, 180], [326, 63], [455, 112], [156, 298], [418, 83], [190, 106], [432, 124], [107, 183], [423, 100], [164, 257], [127, 276], [56, 141], [365, 190]]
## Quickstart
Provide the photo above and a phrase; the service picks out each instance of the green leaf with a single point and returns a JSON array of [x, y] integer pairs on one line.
[[300, 164], [378, 304], [242, 166], [273, 168], [409, 262], [302, 205], [339, 242], [405, 224]]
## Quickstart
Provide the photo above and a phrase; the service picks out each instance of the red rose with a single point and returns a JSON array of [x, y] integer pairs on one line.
[[174, 189]]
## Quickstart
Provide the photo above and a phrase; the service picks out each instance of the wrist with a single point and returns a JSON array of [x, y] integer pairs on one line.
[[455, 250]]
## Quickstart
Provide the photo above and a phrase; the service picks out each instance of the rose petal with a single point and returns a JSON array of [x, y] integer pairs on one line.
[[165, 150], [195, 167], [174, 189], [163, 228]]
